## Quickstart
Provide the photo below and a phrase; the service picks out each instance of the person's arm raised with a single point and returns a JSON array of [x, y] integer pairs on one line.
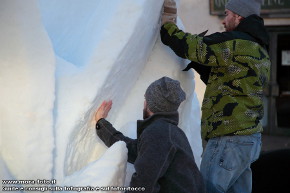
[[109, 135], [169, 12]]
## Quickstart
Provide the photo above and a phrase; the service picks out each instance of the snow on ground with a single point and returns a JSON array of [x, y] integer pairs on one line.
[[59, 60]]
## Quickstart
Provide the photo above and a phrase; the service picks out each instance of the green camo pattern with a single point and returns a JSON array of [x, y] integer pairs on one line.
[[233, 100]]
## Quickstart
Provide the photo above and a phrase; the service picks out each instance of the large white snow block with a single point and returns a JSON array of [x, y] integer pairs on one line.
[[99, 49], [97, 59], [107, 172], [27, 91]]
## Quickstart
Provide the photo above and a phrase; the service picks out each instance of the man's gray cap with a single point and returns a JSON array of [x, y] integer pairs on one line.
[[244, 8], [164, 95]]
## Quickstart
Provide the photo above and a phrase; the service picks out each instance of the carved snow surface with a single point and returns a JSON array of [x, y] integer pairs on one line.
[[59, 60]]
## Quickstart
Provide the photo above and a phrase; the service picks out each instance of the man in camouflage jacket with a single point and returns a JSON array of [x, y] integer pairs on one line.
[[235, 67]]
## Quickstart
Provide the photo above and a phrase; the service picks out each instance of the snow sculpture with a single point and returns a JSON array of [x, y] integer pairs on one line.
[[27, 92], [59, 61]]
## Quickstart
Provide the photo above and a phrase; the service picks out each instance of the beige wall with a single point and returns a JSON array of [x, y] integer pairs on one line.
[[276, 22]]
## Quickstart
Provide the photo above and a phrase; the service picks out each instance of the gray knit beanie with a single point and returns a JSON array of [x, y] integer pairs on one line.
[[164, 95], [244, 8]]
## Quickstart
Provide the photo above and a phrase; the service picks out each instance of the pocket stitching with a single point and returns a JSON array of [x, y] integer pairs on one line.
[[223, 154]]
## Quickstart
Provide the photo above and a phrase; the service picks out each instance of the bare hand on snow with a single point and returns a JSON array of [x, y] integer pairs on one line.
[[103, 110]]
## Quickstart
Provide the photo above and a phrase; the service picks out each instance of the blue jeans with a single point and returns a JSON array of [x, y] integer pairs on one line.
[[226, 162]]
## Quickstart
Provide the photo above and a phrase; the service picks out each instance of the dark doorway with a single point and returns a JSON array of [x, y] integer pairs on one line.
[[283, 80], [271, 172], [278, 92]]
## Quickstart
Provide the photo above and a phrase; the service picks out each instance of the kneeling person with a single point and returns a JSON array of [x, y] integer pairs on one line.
[[161, 154]]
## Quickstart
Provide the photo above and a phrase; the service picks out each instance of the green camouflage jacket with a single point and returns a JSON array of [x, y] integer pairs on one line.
[[235, 66]]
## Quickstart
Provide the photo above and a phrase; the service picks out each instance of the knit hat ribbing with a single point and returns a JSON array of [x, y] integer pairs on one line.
[[164, 95], [244, 8]]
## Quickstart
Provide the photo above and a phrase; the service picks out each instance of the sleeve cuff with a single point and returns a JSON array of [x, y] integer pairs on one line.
[[98, 126]]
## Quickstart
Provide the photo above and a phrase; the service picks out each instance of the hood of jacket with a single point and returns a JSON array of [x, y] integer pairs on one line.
[[170, 117], [254, 26]]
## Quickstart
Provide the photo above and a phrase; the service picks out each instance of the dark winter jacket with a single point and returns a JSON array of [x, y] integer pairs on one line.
[[235, 66], [161, 155]]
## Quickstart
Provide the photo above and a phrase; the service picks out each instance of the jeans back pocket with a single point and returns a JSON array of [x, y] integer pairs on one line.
[[235, 154]]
